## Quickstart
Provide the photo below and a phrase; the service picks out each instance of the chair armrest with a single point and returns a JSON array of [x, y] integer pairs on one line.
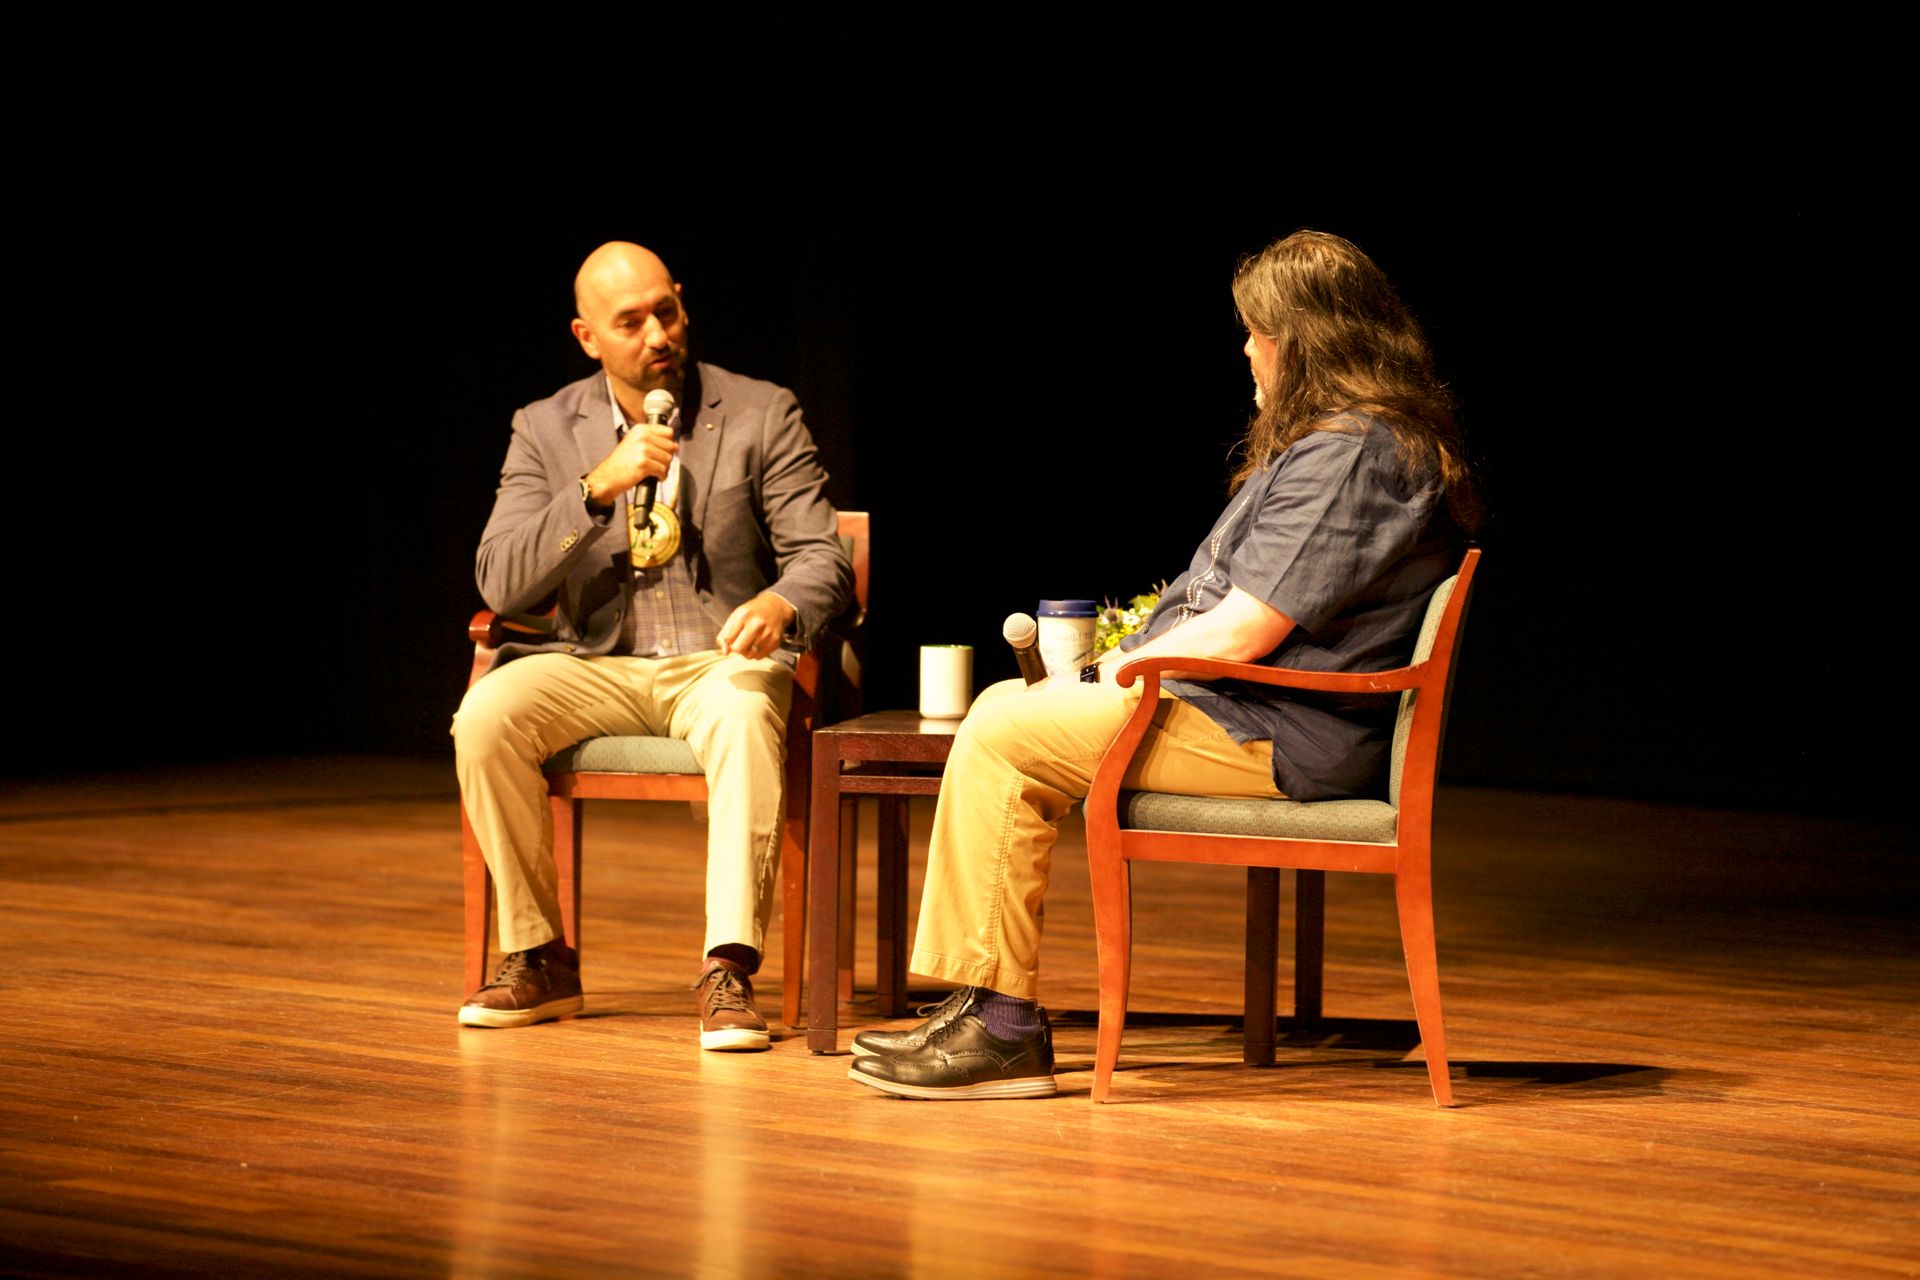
[[492, 630], [851, 622], [831, 671], [808, 667], [1104, 794], [1389, 681], [1106, 778]]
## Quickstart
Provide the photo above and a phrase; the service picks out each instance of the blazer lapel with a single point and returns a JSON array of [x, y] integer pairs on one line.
[[593, 427], [701, 425]]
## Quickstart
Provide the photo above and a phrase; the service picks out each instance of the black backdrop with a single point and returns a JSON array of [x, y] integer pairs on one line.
[[1662, 269]]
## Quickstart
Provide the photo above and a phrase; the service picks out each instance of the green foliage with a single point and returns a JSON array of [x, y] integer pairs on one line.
[[1115, 622]]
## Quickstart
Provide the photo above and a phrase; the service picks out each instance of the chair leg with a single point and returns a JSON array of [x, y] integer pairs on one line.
[[1263, 955], [1413, 894], [567, 836], [890, 908], [1113, 937], [477, 894], [1309, 942], [793, 916]]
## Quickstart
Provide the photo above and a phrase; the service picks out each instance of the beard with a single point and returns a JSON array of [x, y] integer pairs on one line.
[[1259, 396], [674, 377]]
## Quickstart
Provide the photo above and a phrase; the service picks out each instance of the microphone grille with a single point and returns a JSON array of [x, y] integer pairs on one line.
[[1019, 629], [658, 403]]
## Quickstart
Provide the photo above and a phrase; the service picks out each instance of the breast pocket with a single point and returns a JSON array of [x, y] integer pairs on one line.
[[732, 521]]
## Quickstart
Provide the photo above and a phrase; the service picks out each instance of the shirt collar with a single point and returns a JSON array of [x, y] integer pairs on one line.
[[620, 423], [670, 487]]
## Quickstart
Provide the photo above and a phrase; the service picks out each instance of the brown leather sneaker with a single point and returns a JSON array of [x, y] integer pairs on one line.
[[531, 986], [727, 1017]]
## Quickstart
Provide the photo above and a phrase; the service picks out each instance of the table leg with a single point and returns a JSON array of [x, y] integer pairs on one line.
[[849, 901], [890, 907], [823, 901]]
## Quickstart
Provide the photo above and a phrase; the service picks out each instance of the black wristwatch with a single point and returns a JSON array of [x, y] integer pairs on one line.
[[1090, 674], [596, 509]]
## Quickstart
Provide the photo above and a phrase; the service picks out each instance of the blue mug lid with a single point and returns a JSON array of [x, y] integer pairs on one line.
[[1069, 609]]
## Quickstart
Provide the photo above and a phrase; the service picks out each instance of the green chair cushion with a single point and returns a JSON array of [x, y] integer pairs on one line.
[[1365, 821], [626, 755]]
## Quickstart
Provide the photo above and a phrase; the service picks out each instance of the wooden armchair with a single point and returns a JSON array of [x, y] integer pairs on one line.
[[1383, 837], [826, 688]]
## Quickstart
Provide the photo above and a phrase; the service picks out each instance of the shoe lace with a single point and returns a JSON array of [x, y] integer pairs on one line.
[[942, 1034], [725, 989], [514, 967], [954, 998]]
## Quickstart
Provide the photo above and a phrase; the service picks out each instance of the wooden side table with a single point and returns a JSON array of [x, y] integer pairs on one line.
[[893, 755]]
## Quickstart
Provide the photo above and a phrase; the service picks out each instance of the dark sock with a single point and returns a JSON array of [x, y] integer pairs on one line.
[[739, 955], [1008, 1018]]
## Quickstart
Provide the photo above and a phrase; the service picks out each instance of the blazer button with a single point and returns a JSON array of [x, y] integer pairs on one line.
[[566, 543]]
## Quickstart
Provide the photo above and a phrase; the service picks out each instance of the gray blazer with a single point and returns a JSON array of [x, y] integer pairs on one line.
[[752, 506]]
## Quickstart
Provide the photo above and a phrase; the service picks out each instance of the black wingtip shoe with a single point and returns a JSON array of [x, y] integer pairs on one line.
[[963, 1060], [885, 1044]]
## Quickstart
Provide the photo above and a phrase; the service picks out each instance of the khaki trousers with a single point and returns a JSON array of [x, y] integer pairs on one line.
[[731, 711], [1021, 759]]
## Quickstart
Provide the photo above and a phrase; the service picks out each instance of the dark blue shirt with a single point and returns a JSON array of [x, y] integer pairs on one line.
[[1341, 536]]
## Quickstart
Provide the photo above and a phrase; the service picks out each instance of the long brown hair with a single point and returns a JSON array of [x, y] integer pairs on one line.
[[1345, 341]]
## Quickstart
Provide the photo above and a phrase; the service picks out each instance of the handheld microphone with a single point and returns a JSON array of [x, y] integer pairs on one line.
[[658, 407], [1023, 633]]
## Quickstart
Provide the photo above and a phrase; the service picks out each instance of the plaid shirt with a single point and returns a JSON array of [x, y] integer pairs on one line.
[[664, 618]]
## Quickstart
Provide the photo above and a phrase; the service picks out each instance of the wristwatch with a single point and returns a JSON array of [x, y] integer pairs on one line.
[[1090, 674], [586, 497]]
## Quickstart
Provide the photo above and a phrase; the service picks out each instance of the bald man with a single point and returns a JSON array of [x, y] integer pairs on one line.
[[683, 623]]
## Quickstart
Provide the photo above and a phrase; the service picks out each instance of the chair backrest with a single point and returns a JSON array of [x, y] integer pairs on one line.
[[856, 539], [844, 693], [1444, 616]]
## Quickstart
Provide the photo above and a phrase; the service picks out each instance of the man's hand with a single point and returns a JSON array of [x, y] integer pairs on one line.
[[644, 451], [754, 630]]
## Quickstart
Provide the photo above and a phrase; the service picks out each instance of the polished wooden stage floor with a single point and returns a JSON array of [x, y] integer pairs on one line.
[[1684, 1045]]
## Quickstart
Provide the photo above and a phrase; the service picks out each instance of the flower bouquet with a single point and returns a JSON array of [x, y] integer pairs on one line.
[[1115, 622]]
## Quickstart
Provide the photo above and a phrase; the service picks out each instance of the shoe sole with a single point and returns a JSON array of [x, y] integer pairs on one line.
[[735, 1040], [1026, 1087], [476, 1016]]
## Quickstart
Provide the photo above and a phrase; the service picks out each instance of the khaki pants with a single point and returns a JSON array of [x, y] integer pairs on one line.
[[1021, 759], [731, 711]]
